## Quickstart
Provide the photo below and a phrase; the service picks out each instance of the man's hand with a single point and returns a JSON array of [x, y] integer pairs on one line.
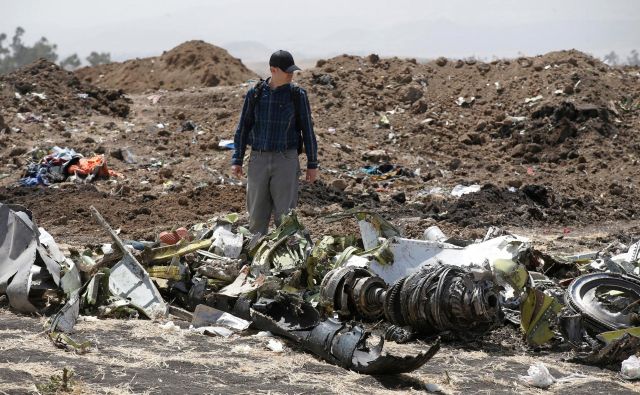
[[312, 175], [236, 170]]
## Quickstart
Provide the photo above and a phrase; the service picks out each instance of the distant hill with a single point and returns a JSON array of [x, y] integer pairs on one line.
[[190, 64]]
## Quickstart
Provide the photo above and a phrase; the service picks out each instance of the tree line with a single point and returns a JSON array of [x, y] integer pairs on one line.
[[613, 59], [16, 53]]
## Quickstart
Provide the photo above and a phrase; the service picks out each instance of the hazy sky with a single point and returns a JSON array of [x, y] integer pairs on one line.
[[251, 29]]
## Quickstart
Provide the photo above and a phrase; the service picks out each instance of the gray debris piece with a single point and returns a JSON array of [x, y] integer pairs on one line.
[[129, 280], [65, 319], [209, 316], [20, 249]]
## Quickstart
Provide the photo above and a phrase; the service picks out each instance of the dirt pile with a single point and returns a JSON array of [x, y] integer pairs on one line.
[[191, 64], [542, 109], [45, 88], [564, 120], [568, 158]]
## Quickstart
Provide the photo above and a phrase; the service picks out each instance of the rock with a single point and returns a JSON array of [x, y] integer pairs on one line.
[[616, 189], [481, 125], [17, 151], [524, 62], [187, 126], [183, 201], [410, 94], [514, 183], [441, 61], [459, 63], [454, 164], [323, 79], [404, 79], [377, 155], [534, 148], [339, 184], [568, 90], [165, 172], [61, 221], [419, 107], [373, 58], [3, 125], [399, 197], [518, 150], [483, 68], [471, 138]]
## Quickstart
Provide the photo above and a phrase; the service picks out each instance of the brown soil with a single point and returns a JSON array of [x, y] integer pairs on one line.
[[191, 64], [571, 163], [64, 94]]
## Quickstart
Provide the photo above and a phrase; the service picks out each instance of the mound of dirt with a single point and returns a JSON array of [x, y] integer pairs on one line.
[[550, 119], [191, 64], [45, 88], [534, 109], [551, 138]]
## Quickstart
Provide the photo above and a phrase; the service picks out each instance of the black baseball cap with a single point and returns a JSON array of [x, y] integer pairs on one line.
[[284, 61]]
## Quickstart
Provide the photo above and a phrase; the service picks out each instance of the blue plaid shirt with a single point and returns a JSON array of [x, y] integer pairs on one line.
[[272, 126]]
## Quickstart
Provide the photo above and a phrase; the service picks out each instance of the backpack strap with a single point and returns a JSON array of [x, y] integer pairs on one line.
[[296, 94], [255, 98]]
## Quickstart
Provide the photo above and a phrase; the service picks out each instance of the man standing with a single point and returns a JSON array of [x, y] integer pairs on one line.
[[276, 124]]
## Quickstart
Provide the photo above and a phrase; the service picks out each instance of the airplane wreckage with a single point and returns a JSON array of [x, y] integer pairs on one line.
[[340, 298]]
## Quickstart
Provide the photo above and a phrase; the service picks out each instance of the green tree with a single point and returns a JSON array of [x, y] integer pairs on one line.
[[17, 54], [611, 58], [96, 58], [634, 58], [71, 62]]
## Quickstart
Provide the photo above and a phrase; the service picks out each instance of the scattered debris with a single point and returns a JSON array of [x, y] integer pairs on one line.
[[284, 285], [62, 163]]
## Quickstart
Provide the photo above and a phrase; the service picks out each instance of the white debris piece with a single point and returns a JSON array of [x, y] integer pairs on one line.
[[275, 345], [431, 387], [263, 334], [212, 330], [241, 349], [227, 243], [411, 254], [204, 316], [40, 96], [154, 98], [538, 376], [88, 318], [533, 99], [460, 190], [631, 368], [169, 326]]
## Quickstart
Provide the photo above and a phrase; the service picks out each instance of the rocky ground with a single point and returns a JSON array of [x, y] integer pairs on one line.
[[551, 140]]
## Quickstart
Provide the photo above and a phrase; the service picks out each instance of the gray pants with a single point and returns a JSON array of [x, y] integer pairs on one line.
[[272, 187]]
